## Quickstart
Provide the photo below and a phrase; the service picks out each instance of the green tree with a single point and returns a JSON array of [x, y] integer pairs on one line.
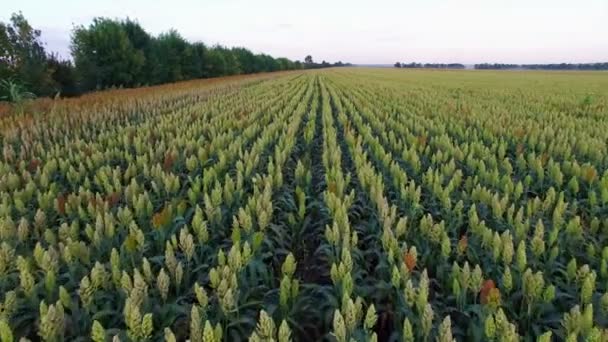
[[64, 75], [246, 59], [232, 63], [104, 55], [222, 62], [197, 60], [216, 62], [266, 63], [141, 41], [285, 64], [23, 58], [170, 55]]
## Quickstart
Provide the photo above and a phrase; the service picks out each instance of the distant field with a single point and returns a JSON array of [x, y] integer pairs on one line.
[[341, 204]]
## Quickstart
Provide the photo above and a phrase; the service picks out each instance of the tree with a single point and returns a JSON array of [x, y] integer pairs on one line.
[[141, 41], [397, 65], [308, 59], [170, 55], [266, 63], [222, 62], [216, 62], [246, 59], [285, 64], [104, 55], [64, 75], [197, 62], [23, 58]]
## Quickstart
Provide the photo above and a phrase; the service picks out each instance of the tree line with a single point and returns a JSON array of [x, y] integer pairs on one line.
[[429, 65], [556, 66], [502, 66], [119, 53], [310, 64]]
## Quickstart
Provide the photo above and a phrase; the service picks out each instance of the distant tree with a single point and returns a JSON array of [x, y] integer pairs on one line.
[[498, 66], [310, 64], [560, 66], [430, 65]]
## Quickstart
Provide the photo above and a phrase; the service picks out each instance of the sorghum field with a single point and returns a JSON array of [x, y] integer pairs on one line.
[[345, 204]]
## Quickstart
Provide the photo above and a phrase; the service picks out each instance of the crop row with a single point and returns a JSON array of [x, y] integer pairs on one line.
[[343, 204]]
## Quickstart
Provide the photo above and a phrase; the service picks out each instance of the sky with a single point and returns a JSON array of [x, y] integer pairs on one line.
[[360, 32]]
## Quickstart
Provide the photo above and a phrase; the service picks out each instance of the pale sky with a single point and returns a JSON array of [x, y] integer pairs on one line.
[[363, 32]]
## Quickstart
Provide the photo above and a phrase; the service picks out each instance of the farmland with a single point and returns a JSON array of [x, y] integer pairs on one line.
[[341, 204]]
